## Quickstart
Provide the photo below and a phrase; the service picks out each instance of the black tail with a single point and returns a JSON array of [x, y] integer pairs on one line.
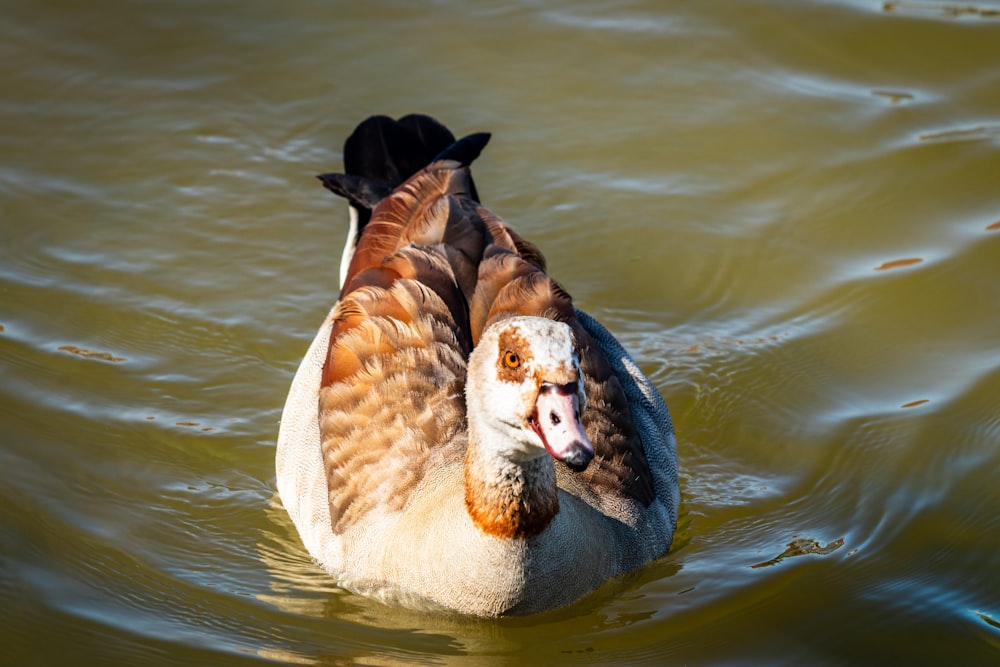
[[391, 151], [465, 150], [362, 193], [381, 153]]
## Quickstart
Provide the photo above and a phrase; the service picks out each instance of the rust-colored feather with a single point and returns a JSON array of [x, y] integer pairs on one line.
[[418, 211]]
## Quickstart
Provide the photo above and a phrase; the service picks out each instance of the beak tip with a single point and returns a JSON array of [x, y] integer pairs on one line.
[[578, 456]]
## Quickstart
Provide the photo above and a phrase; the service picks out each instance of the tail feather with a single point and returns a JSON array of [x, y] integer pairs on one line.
[[465, 150], [381, 153], [439, 206], [362, 193], [391, 151], [432, 134]]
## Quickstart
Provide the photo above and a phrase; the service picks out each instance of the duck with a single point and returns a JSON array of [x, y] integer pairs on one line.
[[459, 436]]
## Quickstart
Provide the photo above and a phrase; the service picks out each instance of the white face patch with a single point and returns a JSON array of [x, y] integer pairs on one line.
[[514, 360]]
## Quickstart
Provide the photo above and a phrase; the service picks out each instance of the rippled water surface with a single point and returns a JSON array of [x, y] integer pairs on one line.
[[788, 211]]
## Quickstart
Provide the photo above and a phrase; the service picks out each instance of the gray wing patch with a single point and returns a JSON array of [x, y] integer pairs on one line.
[[650, 413]]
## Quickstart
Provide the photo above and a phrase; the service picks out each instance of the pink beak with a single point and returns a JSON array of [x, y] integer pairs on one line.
[[556, 420]]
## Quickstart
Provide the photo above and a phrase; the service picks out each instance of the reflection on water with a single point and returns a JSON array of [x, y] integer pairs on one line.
[[786, 210]]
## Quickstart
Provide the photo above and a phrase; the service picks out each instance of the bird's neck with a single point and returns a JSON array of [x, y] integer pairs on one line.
[[507, 498]]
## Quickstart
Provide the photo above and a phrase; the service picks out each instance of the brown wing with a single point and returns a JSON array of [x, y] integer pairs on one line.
[[392, 391], [393, 388], [432, 207]]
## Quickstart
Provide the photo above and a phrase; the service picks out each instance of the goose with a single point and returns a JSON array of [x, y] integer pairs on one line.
[[459, 436]]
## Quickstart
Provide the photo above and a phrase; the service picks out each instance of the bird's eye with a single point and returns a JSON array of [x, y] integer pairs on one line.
[[511, 360]]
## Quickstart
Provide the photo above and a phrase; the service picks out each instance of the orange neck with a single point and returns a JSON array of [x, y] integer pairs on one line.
[[510, 500]]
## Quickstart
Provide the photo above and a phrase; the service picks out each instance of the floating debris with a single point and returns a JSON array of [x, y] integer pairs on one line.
[[801, 547], [913, 404], [990, 228], [896, 263], [988, 620], [894, 97], [92, 354], [974, 133], [940, 8]]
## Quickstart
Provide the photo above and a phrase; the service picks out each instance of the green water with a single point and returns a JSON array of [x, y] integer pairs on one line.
[[788, 211]]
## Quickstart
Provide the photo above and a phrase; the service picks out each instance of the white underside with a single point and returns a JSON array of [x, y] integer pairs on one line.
[[301, 479], [349, 245], [299, 465]]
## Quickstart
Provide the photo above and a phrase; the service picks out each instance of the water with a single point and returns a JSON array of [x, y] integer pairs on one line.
[[788, 211]]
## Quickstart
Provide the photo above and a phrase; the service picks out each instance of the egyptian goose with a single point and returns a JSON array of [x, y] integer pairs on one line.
[[458, 435]]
